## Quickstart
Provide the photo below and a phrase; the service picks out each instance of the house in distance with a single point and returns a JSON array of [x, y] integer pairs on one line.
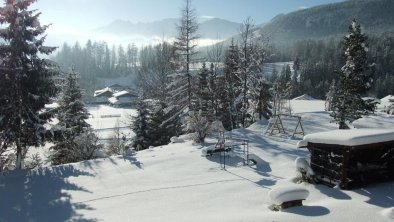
[[115, 95]]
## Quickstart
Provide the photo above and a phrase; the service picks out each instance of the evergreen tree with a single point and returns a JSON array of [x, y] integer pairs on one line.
[[330, 96], [347, 103], [202, 93], [213, 105], [160, 132], [26, 81], [140, 127], [245, 65], [231, 88], [261, 97], [72, 116]]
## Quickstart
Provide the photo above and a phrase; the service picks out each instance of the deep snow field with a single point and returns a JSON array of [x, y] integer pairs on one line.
[[175, 183]]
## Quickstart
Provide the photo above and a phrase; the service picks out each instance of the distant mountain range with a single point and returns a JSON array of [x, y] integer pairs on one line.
[[331, 20], [210, 29]]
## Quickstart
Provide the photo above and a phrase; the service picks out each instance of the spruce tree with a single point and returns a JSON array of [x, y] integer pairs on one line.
[[245, 65], [347, 103], [213, 91], [160, 132], [26, 80], [72, 116], [140, 127], [202, 93], [231, 89]]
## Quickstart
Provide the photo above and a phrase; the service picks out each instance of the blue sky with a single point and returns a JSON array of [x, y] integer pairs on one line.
[[96, 13]]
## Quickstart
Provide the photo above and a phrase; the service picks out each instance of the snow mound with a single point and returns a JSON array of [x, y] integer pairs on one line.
[[302, 165], [387, 98], [388, 213], [259, 125], [304, 97], [302, 143], [283, 194]]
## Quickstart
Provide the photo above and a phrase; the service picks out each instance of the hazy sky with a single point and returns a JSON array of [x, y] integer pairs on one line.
[[78, 17]]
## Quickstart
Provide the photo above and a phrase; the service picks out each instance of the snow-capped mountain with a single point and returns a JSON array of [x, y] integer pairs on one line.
[[209, 29]]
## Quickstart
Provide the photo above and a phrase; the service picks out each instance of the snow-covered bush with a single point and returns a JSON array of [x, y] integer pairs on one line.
[[87, 146], [117, 145], [198, 125], [305, 172], [390, 108], [34, 161]]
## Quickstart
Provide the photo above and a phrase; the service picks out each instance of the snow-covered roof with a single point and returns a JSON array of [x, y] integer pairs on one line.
[[304, 97], [124, 93], [51, 105], [352, 137], [103, 92]]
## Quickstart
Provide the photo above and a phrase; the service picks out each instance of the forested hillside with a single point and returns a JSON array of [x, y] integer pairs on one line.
[[331, 20]]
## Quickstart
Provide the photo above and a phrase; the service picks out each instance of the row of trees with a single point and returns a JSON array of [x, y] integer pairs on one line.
[[97, 59], [318, 60], [228, 88]]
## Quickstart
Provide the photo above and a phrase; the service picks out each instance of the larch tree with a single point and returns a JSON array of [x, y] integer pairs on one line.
[[185, 45], [26, 80], [355, 80]]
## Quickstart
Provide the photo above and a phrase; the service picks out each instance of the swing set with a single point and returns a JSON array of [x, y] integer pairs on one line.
[[276, 125]]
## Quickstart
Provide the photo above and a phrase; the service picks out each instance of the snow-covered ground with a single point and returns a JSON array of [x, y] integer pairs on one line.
[[104, 119], [175, 183]]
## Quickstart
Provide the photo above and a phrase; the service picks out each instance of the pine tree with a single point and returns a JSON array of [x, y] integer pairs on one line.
[[72, 116], [347, 103], [26, 81], [140, 126]]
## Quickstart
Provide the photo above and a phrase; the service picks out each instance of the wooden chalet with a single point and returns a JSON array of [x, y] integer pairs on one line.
[[101, 96], [123, 98]]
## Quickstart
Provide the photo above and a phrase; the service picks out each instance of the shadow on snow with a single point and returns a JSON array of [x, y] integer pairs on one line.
[[41, 195]]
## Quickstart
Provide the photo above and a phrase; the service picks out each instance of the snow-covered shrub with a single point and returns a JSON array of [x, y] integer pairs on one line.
[[117, 145], [390, 108], [7, 162], [305, 172], [198, 125], [87, 146], [176, 139], [34, 161]]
